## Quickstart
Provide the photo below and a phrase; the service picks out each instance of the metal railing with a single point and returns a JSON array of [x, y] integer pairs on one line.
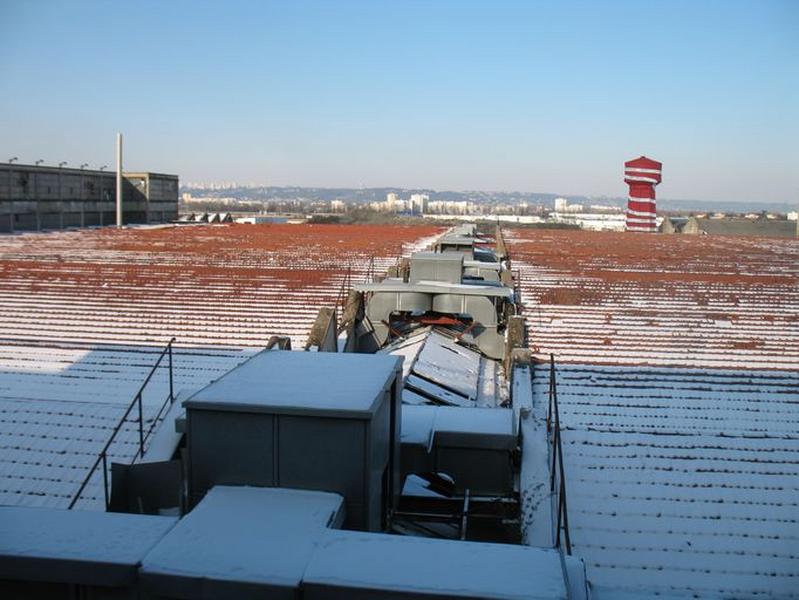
[[343, 296], [102, 457], [557, 476]]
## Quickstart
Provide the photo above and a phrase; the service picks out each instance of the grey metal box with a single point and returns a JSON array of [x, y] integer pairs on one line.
[[315, 421], [472, 445], [436, 266], [241, 542], [348, 565], [57, 553]]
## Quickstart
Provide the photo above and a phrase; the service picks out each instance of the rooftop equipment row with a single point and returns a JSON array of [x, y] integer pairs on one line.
[[242, 542], [313, 440]]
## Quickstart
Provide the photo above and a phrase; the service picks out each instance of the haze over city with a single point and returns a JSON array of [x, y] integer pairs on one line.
[[448, 95]]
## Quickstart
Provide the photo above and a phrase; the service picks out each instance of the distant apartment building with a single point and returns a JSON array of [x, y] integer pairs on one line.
[[391, 204], [562, 206], [419, 203], [452, 207], [34, 197]]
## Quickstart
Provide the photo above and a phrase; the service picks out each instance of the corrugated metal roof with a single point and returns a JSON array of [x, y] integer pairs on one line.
[[617, 298], [682, 480], [677, 379], [236, 285], [86, 313], [59, 406]]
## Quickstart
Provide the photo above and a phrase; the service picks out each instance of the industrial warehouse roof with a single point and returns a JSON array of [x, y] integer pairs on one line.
[[678, 359], [677, 378], [60, 403], [736, 226], [78, 171], [228, 285], [326, 383], [676, 300], [86, 313], [682, 480]]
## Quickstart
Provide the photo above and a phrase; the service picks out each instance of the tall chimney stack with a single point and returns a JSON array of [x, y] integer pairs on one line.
[[119, 180], [642, 174]]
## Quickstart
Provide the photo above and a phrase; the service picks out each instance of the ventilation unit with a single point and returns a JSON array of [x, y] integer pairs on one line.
[[315, 421]]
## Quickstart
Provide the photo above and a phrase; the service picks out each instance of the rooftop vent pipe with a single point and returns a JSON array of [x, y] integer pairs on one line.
[[119, 180]]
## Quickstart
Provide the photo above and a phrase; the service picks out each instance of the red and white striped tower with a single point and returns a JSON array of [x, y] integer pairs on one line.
[[642, 174]]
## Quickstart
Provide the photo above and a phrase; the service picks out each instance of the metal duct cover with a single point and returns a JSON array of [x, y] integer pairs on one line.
[[436, 266]]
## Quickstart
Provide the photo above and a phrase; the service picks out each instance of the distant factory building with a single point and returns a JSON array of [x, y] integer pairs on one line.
[[34, 197], [761, 227]]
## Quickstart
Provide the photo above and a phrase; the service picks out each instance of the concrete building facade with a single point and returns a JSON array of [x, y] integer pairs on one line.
[[34, 197]]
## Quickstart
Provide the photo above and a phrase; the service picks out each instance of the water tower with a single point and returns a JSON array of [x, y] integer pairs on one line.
[[642, 174]]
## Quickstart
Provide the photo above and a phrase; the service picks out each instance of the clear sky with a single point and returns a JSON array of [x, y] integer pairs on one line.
[[533, 96]]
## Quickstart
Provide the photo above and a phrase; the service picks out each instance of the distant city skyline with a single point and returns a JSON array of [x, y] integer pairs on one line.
[[447, 95]]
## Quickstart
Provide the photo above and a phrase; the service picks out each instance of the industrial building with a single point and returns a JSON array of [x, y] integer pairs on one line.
[[731, 226], [410, 445], [35, 197], [391, 443]]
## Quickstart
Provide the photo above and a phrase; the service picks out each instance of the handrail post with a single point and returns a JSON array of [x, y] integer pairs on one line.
[[141, 426], [105, 479], [171, 388], [560, 512], [562, 487], [553, 424], [551, 389], [557, 467], [565, 517], [555, 445]]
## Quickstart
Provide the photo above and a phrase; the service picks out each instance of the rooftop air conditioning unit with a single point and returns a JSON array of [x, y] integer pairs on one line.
[[315, 421]]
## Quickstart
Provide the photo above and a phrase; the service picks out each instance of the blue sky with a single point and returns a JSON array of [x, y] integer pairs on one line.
[[548, 97]]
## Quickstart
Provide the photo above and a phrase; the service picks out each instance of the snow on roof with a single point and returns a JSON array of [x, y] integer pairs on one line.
[[408, 348], [85, 313], [461, 240], [262, 536], [437, 287], [443, 360], [681, 481], [351, 560], [301, 382], [616, 298], [228, 286], [437, 366], [90, 548], [481, 264], [421, 423], [677, 360], [60, 404], [438, 256]]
